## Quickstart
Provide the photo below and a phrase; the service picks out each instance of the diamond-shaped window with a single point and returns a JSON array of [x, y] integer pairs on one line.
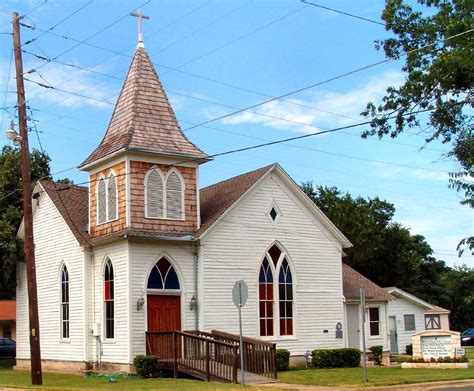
[[273, 214]]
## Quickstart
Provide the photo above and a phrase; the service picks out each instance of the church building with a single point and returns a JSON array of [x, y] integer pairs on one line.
[[142, 248]]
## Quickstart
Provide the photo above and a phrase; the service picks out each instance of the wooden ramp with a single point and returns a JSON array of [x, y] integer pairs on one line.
[[213, 356]]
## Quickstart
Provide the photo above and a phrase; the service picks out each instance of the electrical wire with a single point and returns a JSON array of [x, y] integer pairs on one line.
[[343, 13], [6, 88], [34, 9]]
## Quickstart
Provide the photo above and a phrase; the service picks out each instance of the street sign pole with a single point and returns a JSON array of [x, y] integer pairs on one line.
[[362, 304], [240, 294]]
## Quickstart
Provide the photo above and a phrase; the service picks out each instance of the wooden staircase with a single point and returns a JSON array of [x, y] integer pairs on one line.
[[213, 356]]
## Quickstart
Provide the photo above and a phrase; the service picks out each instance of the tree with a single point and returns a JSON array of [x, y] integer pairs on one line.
[[439, 79], [11, 248]]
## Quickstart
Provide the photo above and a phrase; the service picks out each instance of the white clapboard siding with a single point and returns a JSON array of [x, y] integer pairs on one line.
[[143, 256], [154, 194], [234, 249], [115, 350], [383, 337], [399, 308], [54, 245], [174, 197], [112, 200]]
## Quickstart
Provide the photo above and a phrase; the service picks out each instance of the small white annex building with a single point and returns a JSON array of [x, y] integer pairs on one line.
[[408, 314]]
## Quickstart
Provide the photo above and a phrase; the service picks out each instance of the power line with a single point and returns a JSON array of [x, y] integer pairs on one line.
[[34, 9], [58, 23], [357, 70], [6, 88], [343, 13]]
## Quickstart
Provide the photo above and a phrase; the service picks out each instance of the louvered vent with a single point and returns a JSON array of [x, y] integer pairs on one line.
[[154, 195], [112, 197], [101, 202], [174, 197]]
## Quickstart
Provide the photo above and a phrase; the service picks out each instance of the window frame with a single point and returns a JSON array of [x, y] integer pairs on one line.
[[429, 318], [405, 322], [183, 191], [106, 184], [113, 301], [64, 304], [378, 322], [163, 190], [285, 301]]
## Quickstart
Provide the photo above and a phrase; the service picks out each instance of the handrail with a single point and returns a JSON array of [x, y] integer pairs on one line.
[[186, 333], [236, 338]]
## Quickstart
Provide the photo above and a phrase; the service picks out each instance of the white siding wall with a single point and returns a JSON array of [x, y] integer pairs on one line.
[[54, 244], [143, 256], [383, 337], [235, 248], [401, 307], [114, 350]]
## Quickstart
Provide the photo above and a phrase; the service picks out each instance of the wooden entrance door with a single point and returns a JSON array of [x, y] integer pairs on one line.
[[164, 312]]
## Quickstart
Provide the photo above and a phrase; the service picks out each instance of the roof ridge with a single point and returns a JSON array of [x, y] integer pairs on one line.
[[238, 176]]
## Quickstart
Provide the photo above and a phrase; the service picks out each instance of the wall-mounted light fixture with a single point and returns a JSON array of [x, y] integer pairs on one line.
[[193, 303], [140, 303], [12, 135]]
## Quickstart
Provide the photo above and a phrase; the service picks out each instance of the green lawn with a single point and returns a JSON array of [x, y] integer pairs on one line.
[[470, 353], [378, 376], [22, 379]]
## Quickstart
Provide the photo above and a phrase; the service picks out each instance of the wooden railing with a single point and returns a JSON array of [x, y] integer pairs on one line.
[[259, 356], [199, 354]]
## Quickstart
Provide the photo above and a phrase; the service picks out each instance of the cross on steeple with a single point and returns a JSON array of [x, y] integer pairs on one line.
[[140, 16]]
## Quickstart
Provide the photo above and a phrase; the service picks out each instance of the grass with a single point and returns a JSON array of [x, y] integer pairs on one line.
[[10, 378], [378, 376], [470, 353]]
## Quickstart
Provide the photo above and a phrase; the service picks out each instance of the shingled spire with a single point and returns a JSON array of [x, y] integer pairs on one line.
[[143, 119]]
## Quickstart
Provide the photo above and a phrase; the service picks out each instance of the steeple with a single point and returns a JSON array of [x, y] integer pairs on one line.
[[143, 119]]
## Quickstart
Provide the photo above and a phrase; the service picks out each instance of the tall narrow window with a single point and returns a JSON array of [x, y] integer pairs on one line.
[[374, 321], [101, 201], [154, 194], [64, 303], [285, 293], [174, 197], [109, 300], [111, 198], [265, 290]]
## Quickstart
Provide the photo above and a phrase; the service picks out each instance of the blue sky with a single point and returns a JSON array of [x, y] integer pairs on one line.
[[238, 53]]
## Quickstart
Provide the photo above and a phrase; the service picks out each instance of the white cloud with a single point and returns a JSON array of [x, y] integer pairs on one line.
[[347, 105]]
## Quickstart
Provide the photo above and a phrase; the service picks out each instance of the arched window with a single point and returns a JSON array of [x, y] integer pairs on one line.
[[101, 201], [111, 198], [275, 263], [64, 303], [265, 290], [109, 295], [154, 194], [285, 296], [163, 276], [174, 197]]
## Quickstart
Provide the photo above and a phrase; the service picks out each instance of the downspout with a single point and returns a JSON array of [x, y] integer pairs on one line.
[[195, 296]]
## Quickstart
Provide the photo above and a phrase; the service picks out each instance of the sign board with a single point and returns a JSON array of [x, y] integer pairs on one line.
[[459, 352], [240, 293], [436, 346]]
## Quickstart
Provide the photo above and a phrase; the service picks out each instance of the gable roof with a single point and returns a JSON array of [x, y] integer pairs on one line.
[[72, 202], [7, 310], [429, 308], [352, 281], [143, 119], [217, 198]]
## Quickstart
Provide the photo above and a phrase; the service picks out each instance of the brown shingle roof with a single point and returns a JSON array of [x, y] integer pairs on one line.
[[143, 118], [7, 309], [73, 203], [353, 281], [217, 198]]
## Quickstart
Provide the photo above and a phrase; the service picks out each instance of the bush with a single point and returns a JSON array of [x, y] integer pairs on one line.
[[377, 351], [283, 359], [336, 358], [147, 366], [409, 349]]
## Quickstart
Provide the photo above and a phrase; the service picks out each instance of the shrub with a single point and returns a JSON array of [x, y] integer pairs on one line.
[[336, 358], [377, 351], [283, 359], [409, 349], [147, 366]]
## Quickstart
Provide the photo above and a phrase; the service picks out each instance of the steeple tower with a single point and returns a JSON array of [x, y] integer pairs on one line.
[[153, 166]]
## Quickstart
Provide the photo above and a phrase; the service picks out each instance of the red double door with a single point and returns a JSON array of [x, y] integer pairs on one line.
[[164, 312]]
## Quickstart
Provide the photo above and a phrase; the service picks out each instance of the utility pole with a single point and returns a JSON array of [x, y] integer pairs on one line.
[[35, 354]]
